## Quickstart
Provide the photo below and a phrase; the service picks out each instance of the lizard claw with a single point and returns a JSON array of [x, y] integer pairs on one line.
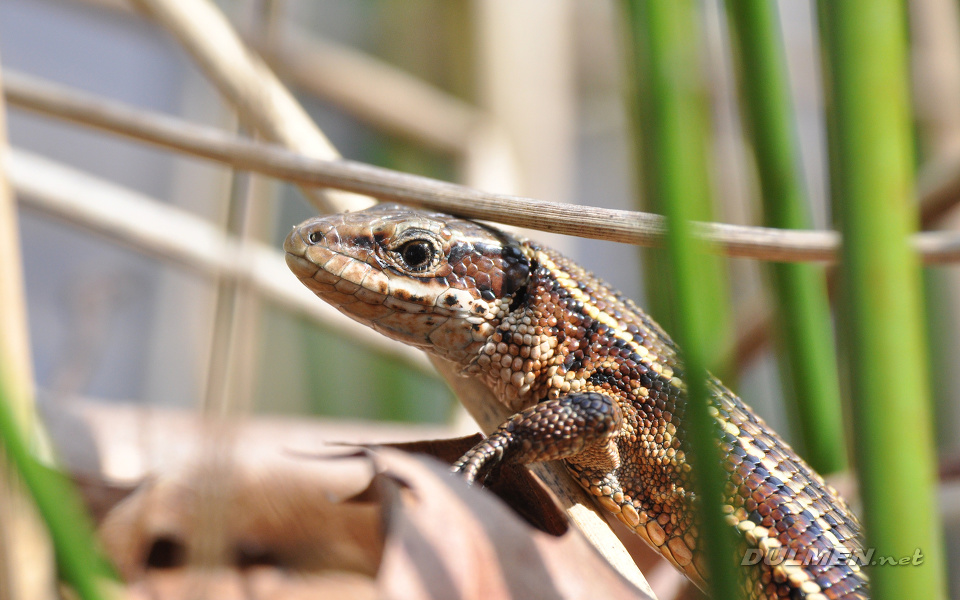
[[479, 463]]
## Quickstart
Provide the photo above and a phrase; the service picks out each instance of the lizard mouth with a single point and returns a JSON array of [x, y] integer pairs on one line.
[[300, 266]]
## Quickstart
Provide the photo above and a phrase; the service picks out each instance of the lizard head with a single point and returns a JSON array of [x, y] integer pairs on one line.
[[427, 279]]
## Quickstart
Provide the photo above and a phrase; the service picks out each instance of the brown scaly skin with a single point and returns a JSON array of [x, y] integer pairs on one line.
[[593, 381]]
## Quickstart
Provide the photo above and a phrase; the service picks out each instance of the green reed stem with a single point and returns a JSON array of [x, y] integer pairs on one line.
[[809, 375], [882, 310], [672, 129], [70, 529]]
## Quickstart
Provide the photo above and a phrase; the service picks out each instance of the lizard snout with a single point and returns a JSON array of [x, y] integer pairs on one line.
[[306, 234]]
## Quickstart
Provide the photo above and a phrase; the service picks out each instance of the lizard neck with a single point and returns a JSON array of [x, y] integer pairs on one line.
[[568, 325]]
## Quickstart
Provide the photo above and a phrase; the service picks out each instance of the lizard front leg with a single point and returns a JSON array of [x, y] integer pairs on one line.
[[567, 427]]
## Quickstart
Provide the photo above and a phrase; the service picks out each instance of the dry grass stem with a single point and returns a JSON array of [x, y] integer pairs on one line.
[[261, 100], [246, 81], [359, 83], [26, 560], [16, 365], [179, 237], [630, 227]]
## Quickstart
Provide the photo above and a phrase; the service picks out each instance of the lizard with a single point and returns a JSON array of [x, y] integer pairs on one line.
[[592, 381]]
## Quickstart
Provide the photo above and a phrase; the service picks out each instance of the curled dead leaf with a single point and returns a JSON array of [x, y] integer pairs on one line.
[[417, 532], [447, 540]]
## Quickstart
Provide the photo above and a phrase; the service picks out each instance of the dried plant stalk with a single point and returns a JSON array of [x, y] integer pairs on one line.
[[248, 84], [359, 84], [26, 559], [631, 227]]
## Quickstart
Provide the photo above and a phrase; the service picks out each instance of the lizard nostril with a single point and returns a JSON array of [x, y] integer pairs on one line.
[[314, 237]]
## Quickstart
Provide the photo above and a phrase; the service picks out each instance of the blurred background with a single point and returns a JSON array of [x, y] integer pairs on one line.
[[523, 97], [543, 79]]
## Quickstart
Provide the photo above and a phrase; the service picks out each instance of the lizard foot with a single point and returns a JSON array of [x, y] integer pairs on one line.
[[550, 430]]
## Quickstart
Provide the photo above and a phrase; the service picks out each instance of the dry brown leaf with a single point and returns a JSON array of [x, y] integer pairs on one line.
[[514, 484], [417, 532], [274, 517], [261, 583], [101, 496], [447, 540]]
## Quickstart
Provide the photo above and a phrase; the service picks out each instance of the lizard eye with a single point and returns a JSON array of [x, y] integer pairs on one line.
[[418, 255]]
